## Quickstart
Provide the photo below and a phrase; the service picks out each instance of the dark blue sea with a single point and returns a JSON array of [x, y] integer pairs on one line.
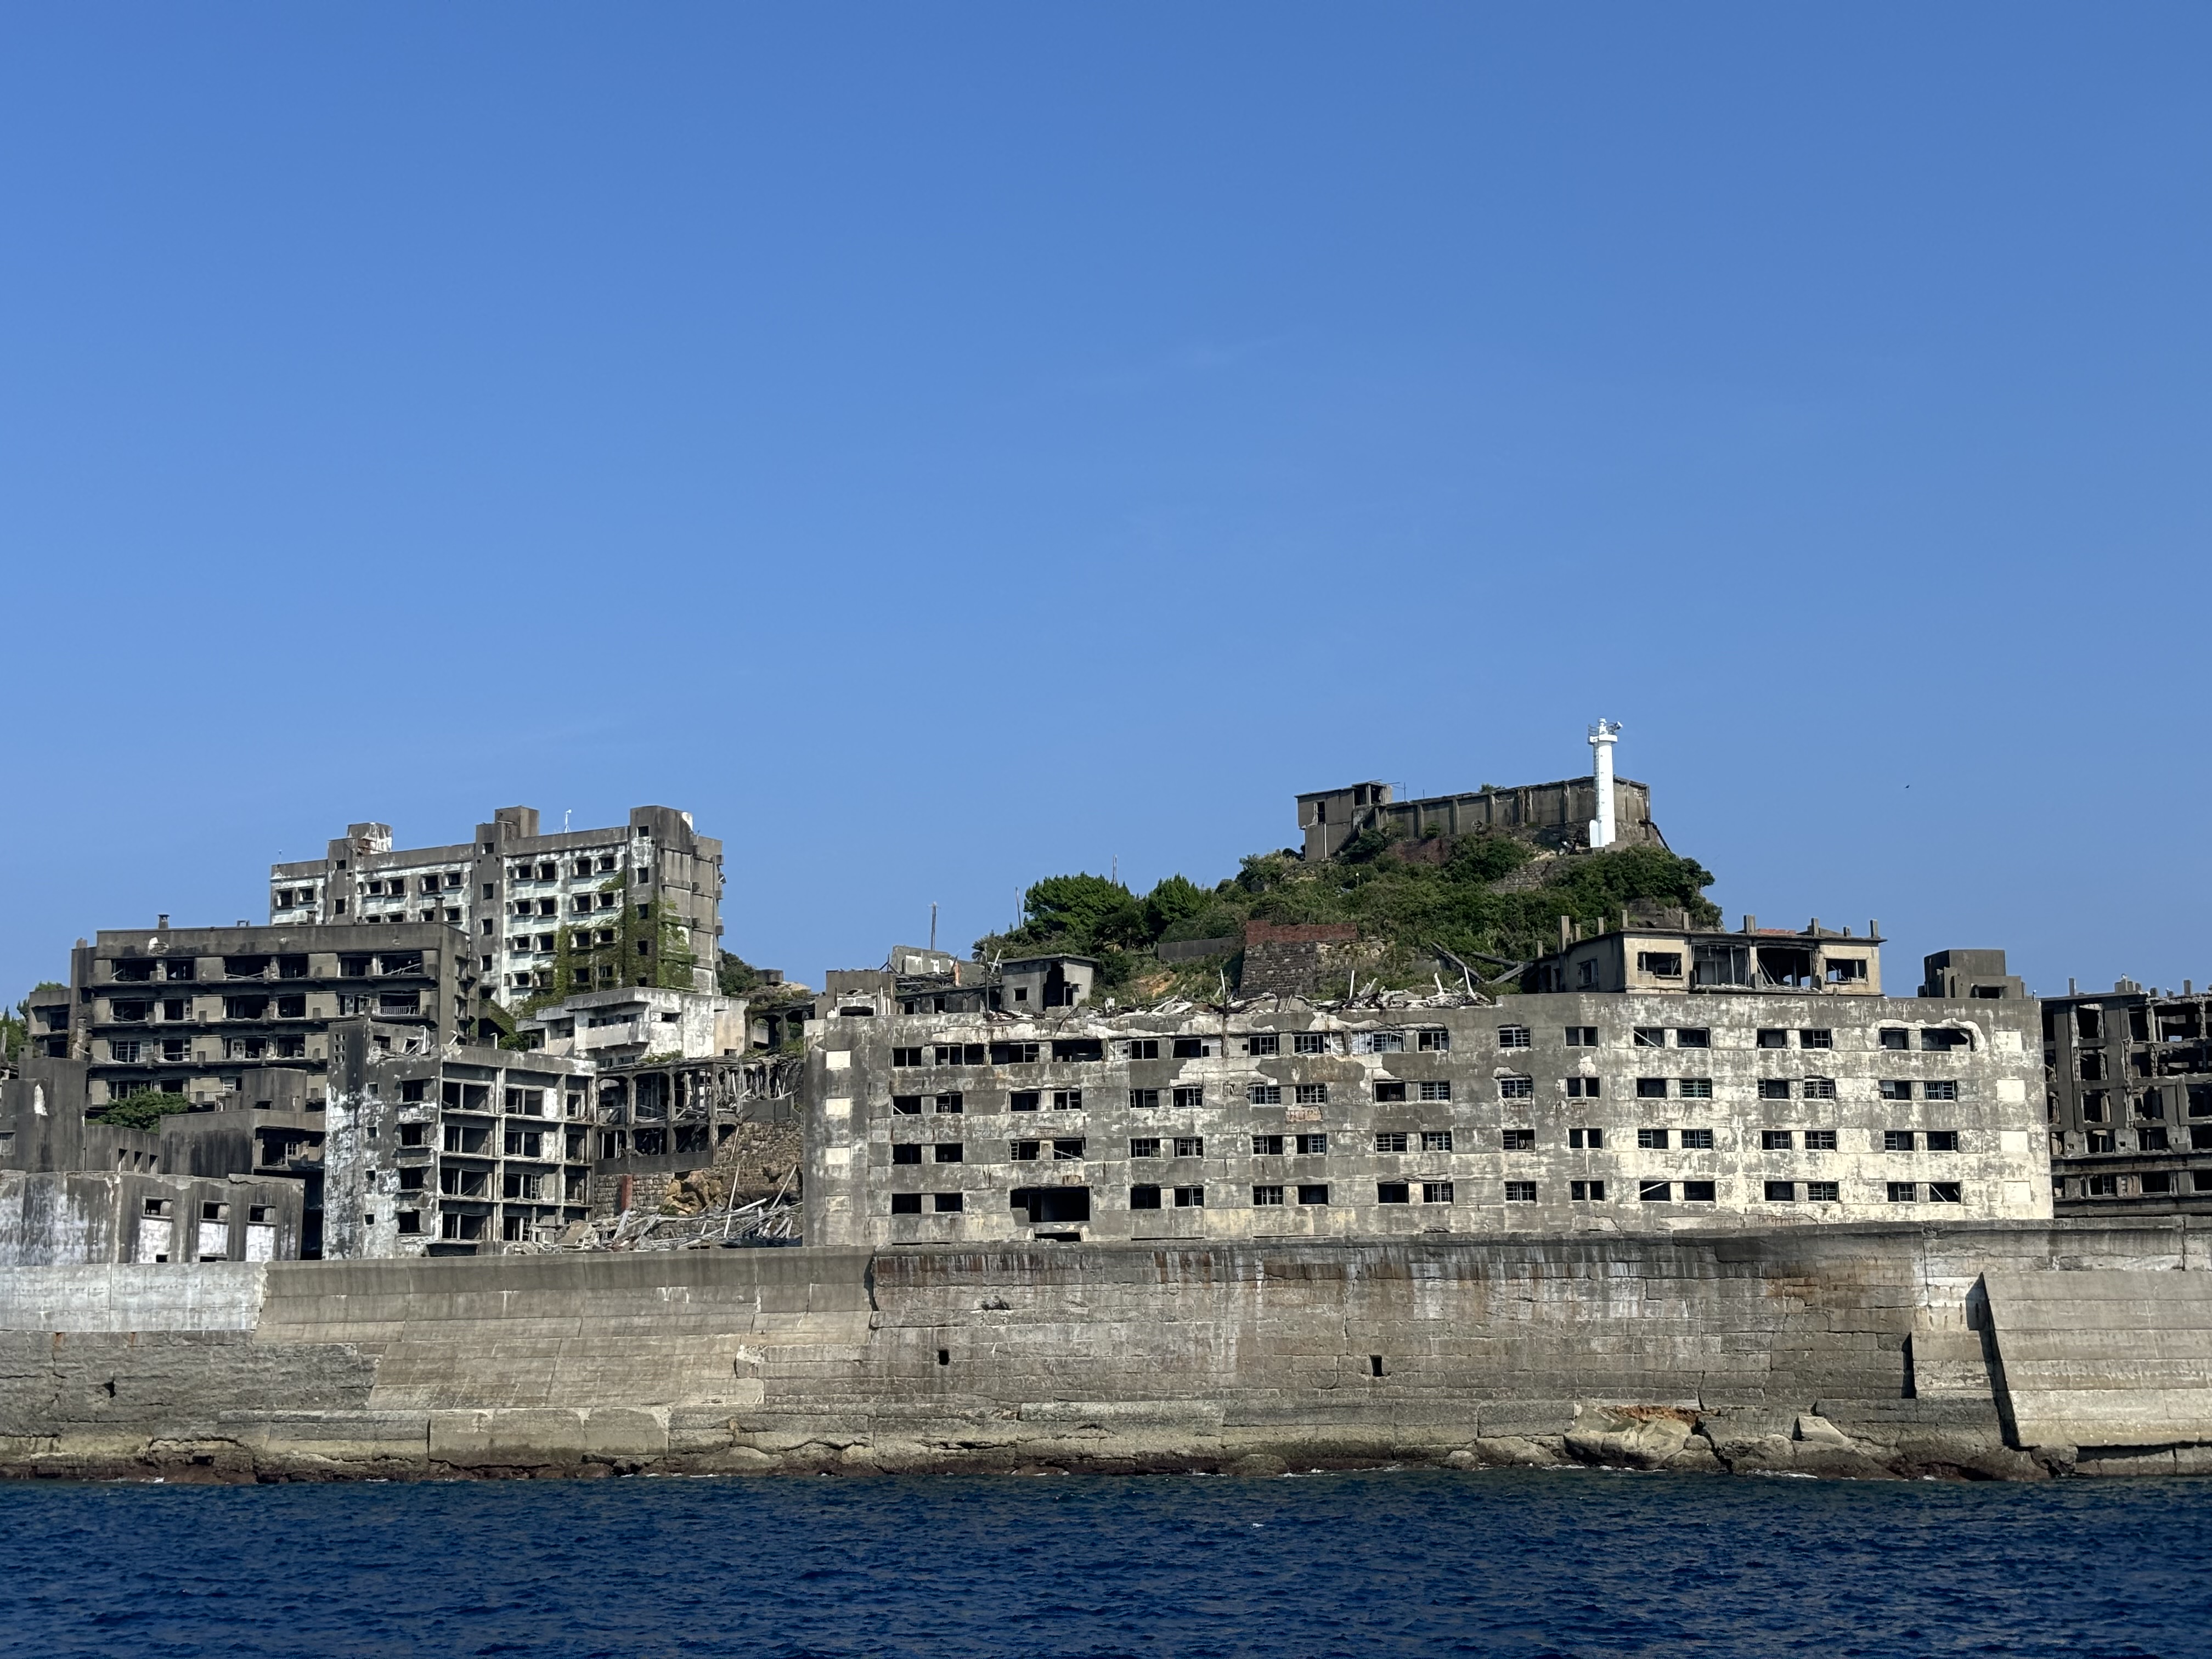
[[1518, 1564]]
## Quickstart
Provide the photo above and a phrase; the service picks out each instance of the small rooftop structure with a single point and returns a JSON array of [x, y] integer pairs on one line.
[[1669, 952], [1970, 974]]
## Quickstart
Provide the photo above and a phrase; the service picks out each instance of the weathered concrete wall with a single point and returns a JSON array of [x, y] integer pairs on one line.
[[1861, 1350], [2105, 1358], [1545, 1114]]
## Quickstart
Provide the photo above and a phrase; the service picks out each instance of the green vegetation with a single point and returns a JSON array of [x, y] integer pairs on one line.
[[1474, 896], [634, 945], [143, 1110], [735, 977]]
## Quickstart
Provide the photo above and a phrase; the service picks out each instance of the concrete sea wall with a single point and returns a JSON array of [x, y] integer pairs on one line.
[[1865, 1351]]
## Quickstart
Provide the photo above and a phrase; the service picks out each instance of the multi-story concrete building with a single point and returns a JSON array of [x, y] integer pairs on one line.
[[454, 1152], [2128, 1075], [672, 1077], [635, 904], [1648, 1100], [76, 1190], [190, 1010]]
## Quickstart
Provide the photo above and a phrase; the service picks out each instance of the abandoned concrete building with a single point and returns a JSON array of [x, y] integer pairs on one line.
[[482, 1150], [625, 1024], [77, 1191], [1554, 815], [2127, 1077], [919, 982], [672, 1074], [1655, 1103], [1667, 953], [190, 1010], [635, 904], [455, 1153]]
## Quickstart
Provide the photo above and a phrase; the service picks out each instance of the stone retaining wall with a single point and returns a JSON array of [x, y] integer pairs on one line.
[[1866, 1350]]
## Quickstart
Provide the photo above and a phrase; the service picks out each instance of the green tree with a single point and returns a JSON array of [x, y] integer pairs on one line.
[[734, 977], [143, 1109], [1079, 911], [1173, 900]]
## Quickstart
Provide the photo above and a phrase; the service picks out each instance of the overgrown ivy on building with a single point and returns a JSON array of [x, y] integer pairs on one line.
[[650, 946]]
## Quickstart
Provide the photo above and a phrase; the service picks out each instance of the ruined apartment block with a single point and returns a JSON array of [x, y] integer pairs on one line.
[[190, 1011], [73, 1191], [2128, 1079], [515, 892], [463, 1152], [1647, 1103], [672, 1077]]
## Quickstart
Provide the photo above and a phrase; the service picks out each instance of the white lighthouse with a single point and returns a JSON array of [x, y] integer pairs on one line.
[[1602, 737]]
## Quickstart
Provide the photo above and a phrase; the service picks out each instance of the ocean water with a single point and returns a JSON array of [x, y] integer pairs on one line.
[[1510, 1562]]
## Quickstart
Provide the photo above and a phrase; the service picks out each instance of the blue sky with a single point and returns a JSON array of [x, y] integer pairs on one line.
[[944, 446]]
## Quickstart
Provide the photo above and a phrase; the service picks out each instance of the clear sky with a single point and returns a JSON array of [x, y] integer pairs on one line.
[[945, 445]]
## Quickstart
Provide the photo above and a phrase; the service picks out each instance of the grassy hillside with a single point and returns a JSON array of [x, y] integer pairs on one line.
[[1487, 895]]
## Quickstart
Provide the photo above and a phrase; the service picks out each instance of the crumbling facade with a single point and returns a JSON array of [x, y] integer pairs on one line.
[[1642, 953], [2128, 1080], [74, 1191], [627, 1025], [456, 1152], [190, 1010], [1593, 1109], [634, 904]]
